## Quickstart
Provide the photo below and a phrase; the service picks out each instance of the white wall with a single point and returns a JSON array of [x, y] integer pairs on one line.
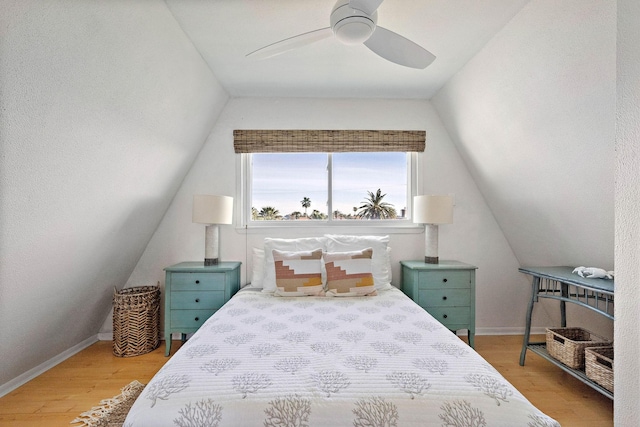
[[627, 331], [103, 108], [533, 115], [474, 237]]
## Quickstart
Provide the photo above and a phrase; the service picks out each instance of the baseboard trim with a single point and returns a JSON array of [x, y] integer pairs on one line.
[[539, 330], [105, 336], [108, 336], [503, 331], [22, 379]]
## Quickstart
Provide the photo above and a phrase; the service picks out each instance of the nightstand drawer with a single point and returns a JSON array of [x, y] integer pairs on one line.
[[444, 297], [444, 279], [210, 300], [197, 281], [449, 316], [189, 319]]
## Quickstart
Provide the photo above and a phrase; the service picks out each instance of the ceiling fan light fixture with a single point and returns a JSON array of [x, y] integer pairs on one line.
[[351, 26], [354, 30]]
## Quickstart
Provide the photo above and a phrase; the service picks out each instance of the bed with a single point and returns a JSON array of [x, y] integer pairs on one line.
[[357, 358]]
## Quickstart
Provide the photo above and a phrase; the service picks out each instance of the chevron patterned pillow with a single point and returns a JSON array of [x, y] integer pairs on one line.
[[349, 273], [298, 273]]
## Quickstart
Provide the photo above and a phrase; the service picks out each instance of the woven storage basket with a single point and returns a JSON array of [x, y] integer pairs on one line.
[[568, 344], [599, 365], [136, 320]]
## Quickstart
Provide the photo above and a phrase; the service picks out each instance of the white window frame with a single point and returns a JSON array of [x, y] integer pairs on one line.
[[243, 202]]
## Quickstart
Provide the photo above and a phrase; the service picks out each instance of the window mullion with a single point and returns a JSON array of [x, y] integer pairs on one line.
[[330, 186]]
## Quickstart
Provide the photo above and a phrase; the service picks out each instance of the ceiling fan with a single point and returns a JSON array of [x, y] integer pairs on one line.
[[353, 22]]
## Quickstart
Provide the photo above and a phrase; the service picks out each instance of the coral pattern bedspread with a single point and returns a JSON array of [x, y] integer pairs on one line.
[[264, 360]]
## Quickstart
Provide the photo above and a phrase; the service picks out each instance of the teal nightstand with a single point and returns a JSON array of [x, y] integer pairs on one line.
[[193, 292], [446, 290]]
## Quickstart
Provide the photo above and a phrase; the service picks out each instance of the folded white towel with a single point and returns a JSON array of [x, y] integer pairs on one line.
[[593, 273]]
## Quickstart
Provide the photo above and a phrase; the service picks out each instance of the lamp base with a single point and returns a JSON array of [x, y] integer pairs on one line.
[[431, 244], [211, 245]]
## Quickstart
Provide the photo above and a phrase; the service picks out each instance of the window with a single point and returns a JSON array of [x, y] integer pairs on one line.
[[338, 177], [335, 188]]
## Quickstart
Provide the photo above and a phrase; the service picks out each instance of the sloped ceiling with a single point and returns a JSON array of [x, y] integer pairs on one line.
[[533, 115], [104, 108]]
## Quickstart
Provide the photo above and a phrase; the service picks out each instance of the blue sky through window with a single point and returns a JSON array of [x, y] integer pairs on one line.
[[282, 180]]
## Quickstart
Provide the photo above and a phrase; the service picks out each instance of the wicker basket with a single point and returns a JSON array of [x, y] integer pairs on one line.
[[599, 365], [568, 344], [136, 320]]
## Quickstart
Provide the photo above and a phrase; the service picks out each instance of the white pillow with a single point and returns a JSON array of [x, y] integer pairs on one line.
[[290, 245], [381, 260], [257, 268], [388, 264]]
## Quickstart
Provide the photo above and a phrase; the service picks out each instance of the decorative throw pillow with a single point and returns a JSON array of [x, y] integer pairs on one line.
[[298, 273], [380, 261], [291, 245], [349, 273]]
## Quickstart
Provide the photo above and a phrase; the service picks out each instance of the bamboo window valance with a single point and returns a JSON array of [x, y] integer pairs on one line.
[[327, 141]]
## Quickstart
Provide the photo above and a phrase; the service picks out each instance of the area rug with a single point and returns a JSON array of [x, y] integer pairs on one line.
[[111, 412]]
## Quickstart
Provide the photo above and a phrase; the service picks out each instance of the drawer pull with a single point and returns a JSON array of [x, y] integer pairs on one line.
[[444, 298], [197, 299], [445, 316], [445, 280], [197, 282], [196, 319]]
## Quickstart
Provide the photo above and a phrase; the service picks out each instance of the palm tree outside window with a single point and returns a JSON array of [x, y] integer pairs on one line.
[[374, 208], [306, 202]]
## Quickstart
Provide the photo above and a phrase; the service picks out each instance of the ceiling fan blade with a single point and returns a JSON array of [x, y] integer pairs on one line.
[[395, 48], [291, 43], [368, 6]]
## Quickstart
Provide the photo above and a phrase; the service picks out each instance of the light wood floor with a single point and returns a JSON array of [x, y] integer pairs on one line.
[[74, 386]]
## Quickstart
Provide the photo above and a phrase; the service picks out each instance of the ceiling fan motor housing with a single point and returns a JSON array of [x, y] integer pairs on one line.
[[352, 26]]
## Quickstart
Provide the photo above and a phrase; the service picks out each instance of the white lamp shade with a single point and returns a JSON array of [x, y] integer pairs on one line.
[[212, 209], [433, 209]]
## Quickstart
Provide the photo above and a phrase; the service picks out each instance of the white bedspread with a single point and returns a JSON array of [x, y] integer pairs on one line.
[[270, 361]]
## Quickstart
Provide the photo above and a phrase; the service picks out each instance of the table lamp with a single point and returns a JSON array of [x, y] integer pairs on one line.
[[431, 211], [212, 210]]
